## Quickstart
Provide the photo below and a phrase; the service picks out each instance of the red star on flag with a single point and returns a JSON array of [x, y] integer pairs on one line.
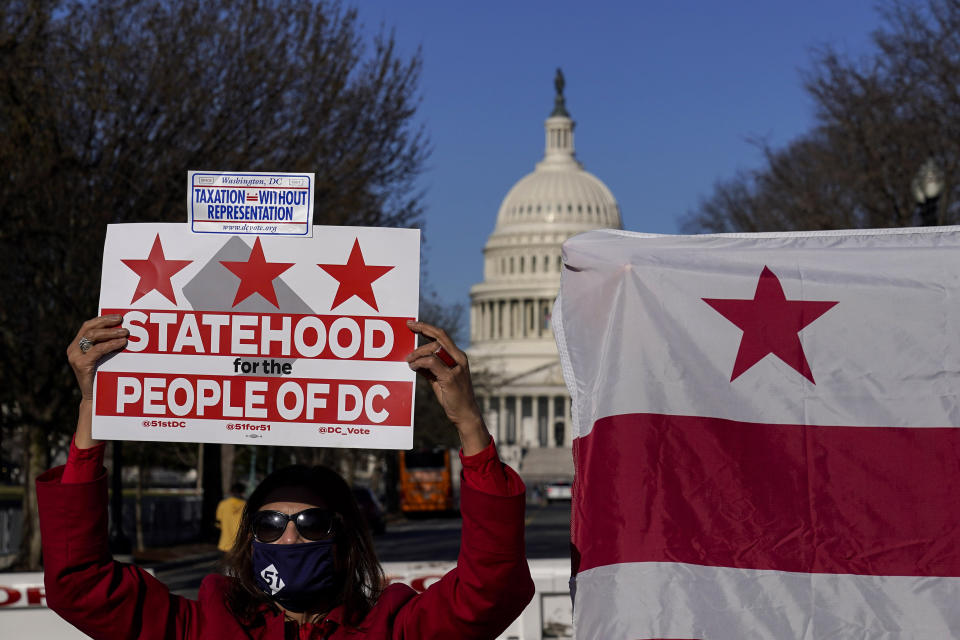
[[770, 324], [256, 275], [355, 278], [155, 272]]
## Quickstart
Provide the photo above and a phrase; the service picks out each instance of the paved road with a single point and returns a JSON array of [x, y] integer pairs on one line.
[[548, 531], [548, 536], [414, 540]]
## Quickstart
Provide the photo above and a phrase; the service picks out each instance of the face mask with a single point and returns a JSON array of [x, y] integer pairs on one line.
[[294, 575]]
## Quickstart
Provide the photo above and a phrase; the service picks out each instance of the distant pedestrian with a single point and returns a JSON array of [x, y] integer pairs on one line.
[[536, 495], [229, 513]]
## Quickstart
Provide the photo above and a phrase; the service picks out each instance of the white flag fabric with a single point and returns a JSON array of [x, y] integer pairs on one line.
[[766, 434]]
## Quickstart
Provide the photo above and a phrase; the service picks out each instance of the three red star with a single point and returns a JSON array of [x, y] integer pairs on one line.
[[256, 275], [770, 324], [155, 272], [355, 278]]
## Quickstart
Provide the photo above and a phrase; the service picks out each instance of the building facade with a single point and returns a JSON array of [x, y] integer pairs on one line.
[[513, 354]]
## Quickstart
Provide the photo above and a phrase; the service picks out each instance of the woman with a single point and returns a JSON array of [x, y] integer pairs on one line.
[[303, 565]]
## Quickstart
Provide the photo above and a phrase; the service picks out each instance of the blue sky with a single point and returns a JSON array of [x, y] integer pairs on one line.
[[666, 96]]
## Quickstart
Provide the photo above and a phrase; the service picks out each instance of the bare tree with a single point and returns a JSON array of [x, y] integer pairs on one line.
[[878, 119], [104, 106]]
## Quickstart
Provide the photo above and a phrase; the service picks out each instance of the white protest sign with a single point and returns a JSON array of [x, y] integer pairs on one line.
[[265, 340], [244, 203]]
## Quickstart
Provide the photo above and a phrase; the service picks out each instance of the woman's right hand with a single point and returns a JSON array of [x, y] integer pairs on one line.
[[451, 383], [106, 336]]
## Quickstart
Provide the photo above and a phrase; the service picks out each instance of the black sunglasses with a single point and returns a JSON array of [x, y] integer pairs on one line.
[[312, 524]]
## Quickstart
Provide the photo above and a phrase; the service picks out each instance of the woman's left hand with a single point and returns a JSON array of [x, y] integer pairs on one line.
[[451, 384]]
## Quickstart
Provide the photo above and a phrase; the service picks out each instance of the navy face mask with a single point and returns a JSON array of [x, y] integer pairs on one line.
[[294, 575]]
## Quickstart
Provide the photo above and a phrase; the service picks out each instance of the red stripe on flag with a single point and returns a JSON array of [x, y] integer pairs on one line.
[[860, 500]]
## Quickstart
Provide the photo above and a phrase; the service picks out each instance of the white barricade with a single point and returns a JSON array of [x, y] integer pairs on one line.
[[549, 614], [24, 612]]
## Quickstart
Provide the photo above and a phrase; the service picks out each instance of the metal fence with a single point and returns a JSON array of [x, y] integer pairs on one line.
[[10, 525], [167, 520]]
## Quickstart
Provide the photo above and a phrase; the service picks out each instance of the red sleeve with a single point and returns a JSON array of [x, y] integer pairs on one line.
[[486, 473], [84, 585], [83, 465], [491, 584]]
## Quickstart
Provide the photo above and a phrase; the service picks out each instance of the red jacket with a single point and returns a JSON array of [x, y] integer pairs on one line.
[[487, 590]]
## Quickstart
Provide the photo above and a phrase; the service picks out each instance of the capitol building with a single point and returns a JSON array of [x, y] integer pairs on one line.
[[513, 354]]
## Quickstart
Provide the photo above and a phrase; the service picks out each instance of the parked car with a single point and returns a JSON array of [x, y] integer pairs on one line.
[[371, 509], [555, 491]]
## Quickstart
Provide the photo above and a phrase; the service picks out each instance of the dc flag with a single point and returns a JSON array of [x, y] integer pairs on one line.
[[766, 434]]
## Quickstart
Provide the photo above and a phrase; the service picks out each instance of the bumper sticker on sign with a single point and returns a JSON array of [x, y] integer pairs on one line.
[[238, 203]]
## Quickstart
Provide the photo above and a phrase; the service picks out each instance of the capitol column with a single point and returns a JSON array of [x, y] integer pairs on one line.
[[524, 320], [484, 321], [498, 305], [473, 323], [502, 418], [535, 415], [551, 421], [539, 317], [516, 414], [494, 320], [481, 322]]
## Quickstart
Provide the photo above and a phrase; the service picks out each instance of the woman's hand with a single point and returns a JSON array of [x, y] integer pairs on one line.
[[102, 335], [451, 384]]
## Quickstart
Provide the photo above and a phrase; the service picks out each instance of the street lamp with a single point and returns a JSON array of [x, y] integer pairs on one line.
[[927, 187]]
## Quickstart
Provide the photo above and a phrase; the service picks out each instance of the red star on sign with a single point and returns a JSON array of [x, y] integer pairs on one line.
[[256, 275], [770, 324], [155, 273], [355, 278]]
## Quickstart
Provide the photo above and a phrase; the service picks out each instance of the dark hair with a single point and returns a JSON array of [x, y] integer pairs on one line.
[[360, 578], [238, 488]]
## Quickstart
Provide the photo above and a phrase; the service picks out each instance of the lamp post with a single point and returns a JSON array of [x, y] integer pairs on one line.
[[927, 187]]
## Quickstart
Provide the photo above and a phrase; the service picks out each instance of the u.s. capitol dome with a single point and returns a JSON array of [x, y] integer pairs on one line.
[[512, 348]]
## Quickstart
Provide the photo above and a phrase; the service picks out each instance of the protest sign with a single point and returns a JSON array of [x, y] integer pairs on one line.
[[241, 203], [272, 340]]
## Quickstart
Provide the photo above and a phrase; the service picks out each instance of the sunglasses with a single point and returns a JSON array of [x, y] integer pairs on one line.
[[312, 524]]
